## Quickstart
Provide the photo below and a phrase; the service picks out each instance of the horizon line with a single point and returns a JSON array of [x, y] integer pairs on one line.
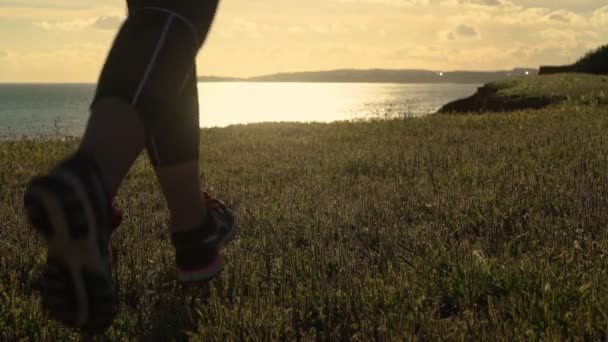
[[281, 73]]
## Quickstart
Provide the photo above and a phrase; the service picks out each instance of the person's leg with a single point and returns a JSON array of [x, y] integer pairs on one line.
[[155, 73], [180, 182], [168, 103], [71, 208], [200, 225], [139, 101], [162, 90], [114, 137]]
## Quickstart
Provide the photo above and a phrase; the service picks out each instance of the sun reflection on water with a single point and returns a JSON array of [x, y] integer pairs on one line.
[[223, 104]]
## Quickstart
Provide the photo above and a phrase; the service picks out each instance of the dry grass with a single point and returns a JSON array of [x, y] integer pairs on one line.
[[454, 227]]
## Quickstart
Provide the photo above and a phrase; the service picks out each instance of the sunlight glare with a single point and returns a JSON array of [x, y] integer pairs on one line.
[[223, 104]]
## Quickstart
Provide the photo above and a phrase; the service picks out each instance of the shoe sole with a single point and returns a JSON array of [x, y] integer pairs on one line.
[[76, 283]]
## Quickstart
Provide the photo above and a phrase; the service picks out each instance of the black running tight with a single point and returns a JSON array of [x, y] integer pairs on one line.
[[151, 66]]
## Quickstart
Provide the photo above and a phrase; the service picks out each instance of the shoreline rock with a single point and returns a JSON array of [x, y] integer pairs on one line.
[[486, 99]]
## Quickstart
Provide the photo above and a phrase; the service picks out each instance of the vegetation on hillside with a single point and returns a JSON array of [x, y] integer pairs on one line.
[[594, 62], [533, 92]]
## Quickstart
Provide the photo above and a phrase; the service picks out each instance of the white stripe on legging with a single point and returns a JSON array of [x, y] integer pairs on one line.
[[159, 45], [154, 150]]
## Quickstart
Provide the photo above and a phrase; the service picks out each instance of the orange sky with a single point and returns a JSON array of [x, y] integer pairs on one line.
[[67, 40]]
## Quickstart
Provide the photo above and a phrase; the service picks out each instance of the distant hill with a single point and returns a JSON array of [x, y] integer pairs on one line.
[[382, 76], [219, 79]]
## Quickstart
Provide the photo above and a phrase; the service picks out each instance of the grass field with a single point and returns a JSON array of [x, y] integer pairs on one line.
[[449, 226], [583, 89]]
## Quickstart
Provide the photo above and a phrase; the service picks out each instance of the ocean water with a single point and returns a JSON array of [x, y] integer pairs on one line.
[[62, 109]]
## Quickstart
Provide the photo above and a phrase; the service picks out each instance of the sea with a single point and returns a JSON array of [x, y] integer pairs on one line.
[[34, 110]]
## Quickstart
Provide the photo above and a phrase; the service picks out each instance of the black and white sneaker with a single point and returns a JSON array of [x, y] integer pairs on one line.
[[197, 253], [69, 207]]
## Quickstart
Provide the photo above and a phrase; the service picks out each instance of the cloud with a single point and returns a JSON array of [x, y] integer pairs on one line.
[[491, 2], [107, 22], [600, 17], [53, 11], [398, 3], [437, 34], [70, 63], [239, 27], [65, 5], [466, 31], [566, 17], [462, 31], [70, 25], [482, 2], [101, 23], [579, 6], [559, 17]]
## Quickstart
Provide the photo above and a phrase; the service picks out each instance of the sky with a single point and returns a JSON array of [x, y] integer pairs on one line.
[[67, 40]]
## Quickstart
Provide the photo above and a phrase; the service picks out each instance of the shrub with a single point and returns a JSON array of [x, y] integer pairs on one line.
[[594, 62]]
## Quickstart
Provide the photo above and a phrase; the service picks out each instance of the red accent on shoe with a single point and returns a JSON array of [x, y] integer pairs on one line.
[[211, 202], [202, 268], [116, 218]]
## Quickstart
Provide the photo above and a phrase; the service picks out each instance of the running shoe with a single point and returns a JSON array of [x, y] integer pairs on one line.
[[70, 208], [197, 253]]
